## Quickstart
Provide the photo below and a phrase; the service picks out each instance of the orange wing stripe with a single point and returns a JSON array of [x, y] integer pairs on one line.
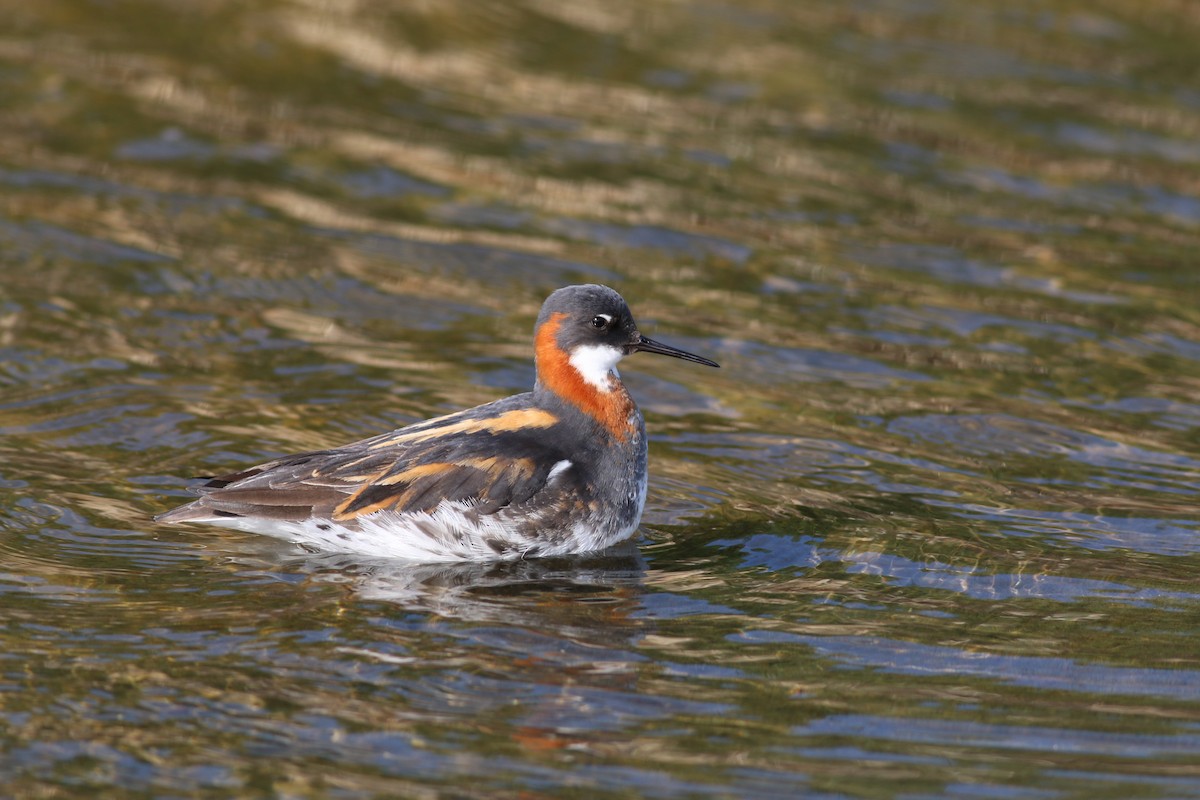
[[411, 474], [495, 467], [508, 421]]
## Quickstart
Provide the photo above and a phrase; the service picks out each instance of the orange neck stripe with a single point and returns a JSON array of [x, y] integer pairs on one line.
[[612, 409]]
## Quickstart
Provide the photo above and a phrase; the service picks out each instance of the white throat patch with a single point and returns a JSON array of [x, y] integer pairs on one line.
[[597, 364]]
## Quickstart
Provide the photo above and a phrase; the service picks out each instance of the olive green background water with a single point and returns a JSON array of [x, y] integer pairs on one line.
[[933, 530]]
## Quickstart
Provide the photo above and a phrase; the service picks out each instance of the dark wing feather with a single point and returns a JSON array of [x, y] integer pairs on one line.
[[399, 471]]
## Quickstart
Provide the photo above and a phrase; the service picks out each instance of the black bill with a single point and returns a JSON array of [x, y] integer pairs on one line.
[[644, 345]]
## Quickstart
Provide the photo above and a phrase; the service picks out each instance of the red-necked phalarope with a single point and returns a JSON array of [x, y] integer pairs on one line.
[[558, 470]]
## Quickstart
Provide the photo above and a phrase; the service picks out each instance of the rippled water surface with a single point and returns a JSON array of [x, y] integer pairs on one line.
[[933, 530]]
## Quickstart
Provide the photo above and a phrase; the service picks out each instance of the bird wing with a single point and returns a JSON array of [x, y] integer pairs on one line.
[[491, 458]]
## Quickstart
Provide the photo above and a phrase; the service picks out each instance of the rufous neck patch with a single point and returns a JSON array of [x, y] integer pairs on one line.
[[613, 409]]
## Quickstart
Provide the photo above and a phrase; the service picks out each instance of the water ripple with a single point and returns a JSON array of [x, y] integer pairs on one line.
[[1167, 537], [778, 552], [1111, 463], [1062, 674], [478, 262], [971, 733], [31, 239]]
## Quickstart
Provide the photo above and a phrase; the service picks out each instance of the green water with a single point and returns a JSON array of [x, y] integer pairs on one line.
[[931, 531]]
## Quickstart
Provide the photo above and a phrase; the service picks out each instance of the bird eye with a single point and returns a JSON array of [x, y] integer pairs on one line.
[[601, 321]]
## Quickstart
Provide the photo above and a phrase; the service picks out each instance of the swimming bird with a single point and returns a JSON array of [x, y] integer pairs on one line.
[[558, 470]]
